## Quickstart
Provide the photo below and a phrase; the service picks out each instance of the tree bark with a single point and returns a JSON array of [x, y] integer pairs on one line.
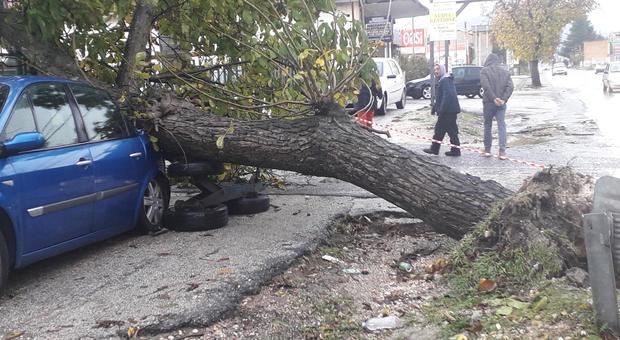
[[535, 73], [333, 146], [136, 42]]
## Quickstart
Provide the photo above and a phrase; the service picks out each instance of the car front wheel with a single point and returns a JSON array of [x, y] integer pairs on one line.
[[154, 204], [403, 101], [4, 263], [426, 92], [481, 92]]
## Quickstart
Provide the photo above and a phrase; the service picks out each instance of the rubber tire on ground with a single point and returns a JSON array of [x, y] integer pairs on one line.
[[429, 92], [381, 110], [416, 97], [198, 220], [179, 169], [248, 205], [4, 263], [470, 96], [403, 101], [144, 225], [481, 92]]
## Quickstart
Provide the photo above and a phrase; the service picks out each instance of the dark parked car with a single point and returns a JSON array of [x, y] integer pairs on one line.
[[419, 88], [466, 81], [72, 170]]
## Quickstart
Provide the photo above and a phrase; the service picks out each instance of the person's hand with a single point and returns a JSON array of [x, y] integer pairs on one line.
[[499, 102]]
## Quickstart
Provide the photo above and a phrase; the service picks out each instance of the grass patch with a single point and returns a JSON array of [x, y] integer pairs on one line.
[[336, 320], [565, 311]]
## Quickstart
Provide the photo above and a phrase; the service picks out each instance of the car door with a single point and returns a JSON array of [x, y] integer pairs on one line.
[[472, 80], [118, 158], [55, 183], [396, 85], [458, 73]]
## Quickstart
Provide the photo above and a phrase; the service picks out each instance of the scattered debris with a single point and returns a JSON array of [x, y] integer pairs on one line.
[[405, 266], [332, 259], [108, 323], [351, 271], [387, 322]]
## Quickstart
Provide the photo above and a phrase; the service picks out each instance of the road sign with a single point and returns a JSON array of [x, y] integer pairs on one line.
[[442, 20]]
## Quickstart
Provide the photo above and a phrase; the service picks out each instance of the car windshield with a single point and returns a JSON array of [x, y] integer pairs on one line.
[[614, 68], [4, 92], [379, 68]]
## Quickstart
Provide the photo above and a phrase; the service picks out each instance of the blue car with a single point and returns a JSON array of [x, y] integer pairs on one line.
[[73, 171]]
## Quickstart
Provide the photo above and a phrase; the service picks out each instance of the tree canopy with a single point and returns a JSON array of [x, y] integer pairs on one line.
[[533, 28], [581, 30], [243, 58]]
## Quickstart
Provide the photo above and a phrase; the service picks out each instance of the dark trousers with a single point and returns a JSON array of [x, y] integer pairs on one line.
[[446, 123]]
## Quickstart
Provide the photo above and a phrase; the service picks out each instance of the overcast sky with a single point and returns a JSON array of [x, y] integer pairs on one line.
[[605, 18]]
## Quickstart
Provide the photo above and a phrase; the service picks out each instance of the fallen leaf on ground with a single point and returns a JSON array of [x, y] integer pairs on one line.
[[487, 285], [15, 334], [540, 303], [225, 271], [517, 304], [132, 331]]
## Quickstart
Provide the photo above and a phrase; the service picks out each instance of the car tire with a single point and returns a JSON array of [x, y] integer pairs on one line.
[[209, 218], [470, 96], [426, 92], [250, 204], [179, 169], [155, 199], [381, 110], [481, 92], [4, 263], [403, 101]]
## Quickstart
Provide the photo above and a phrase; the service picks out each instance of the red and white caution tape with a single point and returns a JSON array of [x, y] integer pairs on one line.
[[466, 148]]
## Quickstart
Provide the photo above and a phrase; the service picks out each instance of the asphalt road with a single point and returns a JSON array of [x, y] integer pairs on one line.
[[176, 280]]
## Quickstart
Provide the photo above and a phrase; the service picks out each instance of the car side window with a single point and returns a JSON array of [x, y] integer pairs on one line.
[[101, 117], [458, 73], [21, 119], [53, 114], [473, 73], [395, 69]]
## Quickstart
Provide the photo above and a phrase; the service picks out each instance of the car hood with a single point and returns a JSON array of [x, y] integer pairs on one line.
[[419, 80]]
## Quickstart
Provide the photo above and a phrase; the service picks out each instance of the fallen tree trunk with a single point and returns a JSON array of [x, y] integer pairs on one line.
[[333, 146]]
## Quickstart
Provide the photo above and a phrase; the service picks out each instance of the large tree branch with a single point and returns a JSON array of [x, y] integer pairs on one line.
[[137, 39], [332, 147]]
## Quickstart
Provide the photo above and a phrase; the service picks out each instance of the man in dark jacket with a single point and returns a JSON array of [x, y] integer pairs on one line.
[[447, 107], [498, 87]]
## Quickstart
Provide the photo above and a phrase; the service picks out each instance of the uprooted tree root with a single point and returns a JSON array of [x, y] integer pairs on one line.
[[535, 234]]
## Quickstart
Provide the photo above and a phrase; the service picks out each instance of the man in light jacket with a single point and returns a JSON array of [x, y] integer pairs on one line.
[[497, 85]]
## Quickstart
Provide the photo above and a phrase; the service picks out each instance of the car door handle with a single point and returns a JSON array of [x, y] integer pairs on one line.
[[136, 155], [84, 162]]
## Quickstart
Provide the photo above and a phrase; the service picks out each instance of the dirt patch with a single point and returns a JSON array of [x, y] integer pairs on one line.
[[316, 298]]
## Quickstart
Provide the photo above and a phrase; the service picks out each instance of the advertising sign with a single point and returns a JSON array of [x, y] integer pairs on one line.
[[442, 20], [417, 39]]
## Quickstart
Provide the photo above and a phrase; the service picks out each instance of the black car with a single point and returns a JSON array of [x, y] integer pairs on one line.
[[466, 81], [419, 88]]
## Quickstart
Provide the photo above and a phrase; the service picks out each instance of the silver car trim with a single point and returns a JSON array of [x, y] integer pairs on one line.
[[74, 202]]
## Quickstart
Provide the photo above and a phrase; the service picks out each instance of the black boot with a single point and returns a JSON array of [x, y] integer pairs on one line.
[[454, 152], [433, 150]]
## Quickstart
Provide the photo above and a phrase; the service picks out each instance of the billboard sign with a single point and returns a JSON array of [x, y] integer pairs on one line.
[[442, 20], [415, 39]]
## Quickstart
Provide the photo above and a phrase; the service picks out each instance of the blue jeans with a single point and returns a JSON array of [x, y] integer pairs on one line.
[[499, 113]]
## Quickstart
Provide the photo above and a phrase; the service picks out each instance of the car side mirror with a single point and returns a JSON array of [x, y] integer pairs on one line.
[[25, 141], [391, 76]]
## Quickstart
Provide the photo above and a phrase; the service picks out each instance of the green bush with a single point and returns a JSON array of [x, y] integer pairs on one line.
[[415, 66]]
